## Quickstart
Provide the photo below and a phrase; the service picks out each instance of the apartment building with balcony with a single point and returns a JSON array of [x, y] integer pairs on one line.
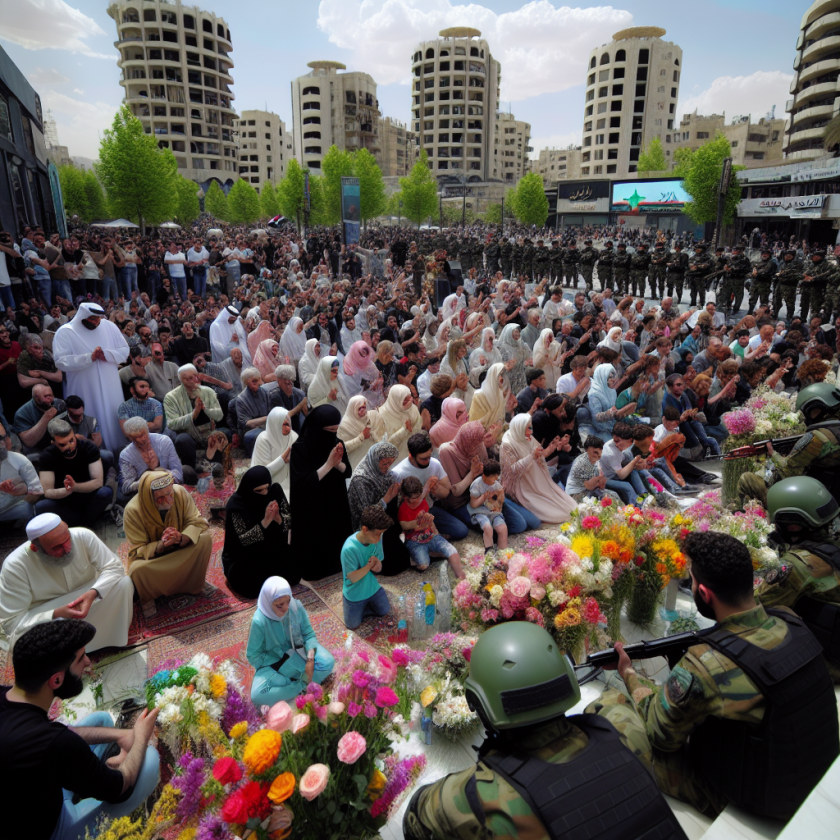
[[753, 144], [555, 165], [815, 86], [175, 62], [330, 108], [632, 89], [454, 103], [511, 148], [264, 147], [397, 148]]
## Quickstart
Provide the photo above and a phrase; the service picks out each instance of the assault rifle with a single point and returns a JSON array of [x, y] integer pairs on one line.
[[783, 446], [710, 277]]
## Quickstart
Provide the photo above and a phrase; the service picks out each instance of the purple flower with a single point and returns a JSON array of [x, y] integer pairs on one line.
[[189, 783], [300, 702], [212, 827], [361, 679], [238, 709], [315, 690], [353, 709], [370, 710]]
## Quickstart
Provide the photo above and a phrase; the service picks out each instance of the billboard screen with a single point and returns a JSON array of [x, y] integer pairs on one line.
[[638, 197], [350, 209]]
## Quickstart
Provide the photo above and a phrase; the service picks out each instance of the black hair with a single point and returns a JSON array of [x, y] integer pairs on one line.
[[533, 374], [48, 648], [135, 379], [491, 467], [419, 442], [411, 486], [722, 563], [74, 401], [375, 518], [623, 431], [671, 413], [593, 442]]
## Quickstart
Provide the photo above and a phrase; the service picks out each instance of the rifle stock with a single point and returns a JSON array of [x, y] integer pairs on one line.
[[673, 648], [783, 446]]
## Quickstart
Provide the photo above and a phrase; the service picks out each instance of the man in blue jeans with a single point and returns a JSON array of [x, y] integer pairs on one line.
[[198, 258], [622, 470], [64, 763], [361, 559]]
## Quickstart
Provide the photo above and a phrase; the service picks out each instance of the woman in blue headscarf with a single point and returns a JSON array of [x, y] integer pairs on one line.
[[283, 648]]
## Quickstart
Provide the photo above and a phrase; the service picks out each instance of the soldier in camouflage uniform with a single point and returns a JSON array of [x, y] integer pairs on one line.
[[658, 260], [698, 267], [527, 267], [803, 511], [466, 256], [542, 261], [787, 282], [639, 263], [818, 277], [621, 269], [453, 248], [570, 265], [555, 262], [732, 287], [588, 257], [762, 279], [708, 692], [505, 254], [492, 252], [485, 801], [605, 265], [675, 272]]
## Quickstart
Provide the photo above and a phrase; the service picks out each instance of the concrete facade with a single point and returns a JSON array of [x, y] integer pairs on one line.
[[815, 86], [753, 144], [555, 165], [632, 89], [454, 103], [264, 147], [333, 109], [397, 147], [175, 62], [511, 148]]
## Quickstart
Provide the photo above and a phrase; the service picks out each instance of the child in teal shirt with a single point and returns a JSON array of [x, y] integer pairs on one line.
[[361, 558]]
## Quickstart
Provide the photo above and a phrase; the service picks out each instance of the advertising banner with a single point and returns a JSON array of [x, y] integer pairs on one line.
[[350, 210], [640, 197]]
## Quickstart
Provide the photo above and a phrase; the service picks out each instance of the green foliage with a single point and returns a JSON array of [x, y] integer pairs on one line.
[[529, 202], [335, 166], [701, 180], [290, 190], [392, 207], [317, 202], [73, 192], [371, 185], [188, 208], [243, 203], [269, 203], [510, 203], [97, 206], [419, 191], [652, 158], [682, 161], [138, 176], [216, 203], [493, 214]]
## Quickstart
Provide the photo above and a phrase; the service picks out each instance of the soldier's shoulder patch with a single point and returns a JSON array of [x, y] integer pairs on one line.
[[679, 687], [779, 575], [802, 443]]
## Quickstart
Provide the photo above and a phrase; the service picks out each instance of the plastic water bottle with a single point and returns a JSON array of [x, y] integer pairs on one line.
[[430, 606], [402, 623], [444, 600], [418, 626]]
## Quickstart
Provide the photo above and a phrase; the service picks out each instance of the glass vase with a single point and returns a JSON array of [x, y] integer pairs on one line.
[[643, 604]]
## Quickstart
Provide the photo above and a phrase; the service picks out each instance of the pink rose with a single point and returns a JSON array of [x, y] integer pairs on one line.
[[386, 696], [353, 709], [321, 713], [299, 723], [351, 747], [279, 717], [537, 592], [335, 708], [300, 702], [314, 780], [520, 586]]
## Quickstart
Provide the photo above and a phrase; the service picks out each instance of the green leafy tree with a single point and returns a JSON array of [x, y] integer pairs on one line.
[[419, 191], [493, 214], [510, 204], [335, 166], [530, 203], [701, 180], [371, 186], [682, 161], [73, 192], [97, 206], [138, 176], [216, 203], [392, 207], [269, 203], [290, 191], [317, 202], [188, 209], [652, 159], [243, 203]]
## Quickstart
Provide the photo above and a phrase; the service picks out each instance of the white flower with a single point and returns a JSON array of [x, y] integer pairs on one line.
[[201, 661]]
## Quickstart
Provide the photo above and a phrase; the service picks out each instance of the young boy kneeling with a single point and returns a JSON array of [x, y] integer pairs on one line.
[[361, 556], [486, 500], [421, 535]]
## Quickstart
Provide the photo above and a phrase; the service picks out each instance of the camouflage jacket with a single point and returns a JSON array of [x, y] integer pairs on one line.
[[588, 256], [606, 258], [765, 271], [739, 265], [817, 448], [790, 273], [542, 256], [660, 257], [506, 251], [555, 255], [621, 261], [640, 262], [528, 255], [443, 808], [678, 262], [705, 683], [700, 264], [571, 257], [822, 274]]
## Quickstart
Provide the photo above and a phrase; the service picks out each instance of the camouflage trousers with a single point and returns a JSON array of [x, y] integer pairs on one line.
[[492, 266], [541, 270], [751, 485], [758, 291], [809, 294], [570, 275], [586, 271], [696, 288], [832, 303], [785, 294], [675, 285], [605, 276], [555, 272], [732, 289], [506, 267], [673, 771], [657, 281], [637, 281], [620, 280]]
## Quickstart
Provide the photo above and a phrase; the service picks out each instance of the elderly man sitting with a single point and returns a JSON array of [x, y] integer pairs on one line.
[[283, 394], [35, 366], [20, 487], [251, 408], [192, 412], [147, 451], [65, 572], [169, 541]]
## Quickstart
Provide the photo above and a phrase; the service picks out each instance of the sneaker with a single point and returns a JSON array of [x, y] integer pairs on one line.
[[709, 478], [684, 491]]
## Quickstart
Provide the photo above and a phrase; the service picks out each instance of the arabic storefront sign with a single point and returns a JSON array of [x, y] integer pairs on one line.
[[831, 171], [810, 206], [582, 191]]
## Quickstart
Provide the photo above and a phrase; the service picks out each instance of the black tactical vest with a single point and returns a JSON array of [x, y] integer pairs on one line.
[[771, 768], [605, 793]]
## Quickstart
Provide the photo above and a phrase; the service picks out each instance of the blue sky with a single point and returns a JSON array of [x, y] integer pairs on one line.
[[737, 55]]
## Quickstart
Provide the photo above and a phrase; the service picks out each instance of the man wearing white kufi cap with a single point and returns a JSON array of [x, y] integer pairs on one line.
[[65, 573], [227, 332], [89, 350]]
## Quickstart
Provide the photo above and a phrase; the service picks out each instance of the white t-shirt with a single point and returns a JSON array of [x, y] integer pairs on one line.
[[176, 267], [660, 433], [612, 459], [195, 256], [566, 384], [405, 468]]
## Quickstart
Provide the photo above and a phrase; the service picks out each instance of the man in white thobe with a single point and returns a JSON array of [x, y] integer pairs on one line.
[[65, 573], [227, 332], [89, 350]]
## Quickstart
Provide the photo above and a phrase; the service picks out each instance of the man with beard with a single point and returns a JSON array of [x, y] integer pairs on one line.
[[72, 475], [188, 344], [60, 761], [89, 350], [20, 487], [214, 375], [65, 572], [31, 420], [12, 392], [748, 715], [162, 375], [227, 332]]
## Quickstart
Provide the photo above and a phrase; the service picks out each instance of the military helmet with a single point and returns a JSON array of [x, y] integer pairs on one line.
[[608, 243], [766, 251], [820, 395], [738, 247], [519, 677], [622, 245], [789, 253], [700, 246], [801, 500], [818, 253]]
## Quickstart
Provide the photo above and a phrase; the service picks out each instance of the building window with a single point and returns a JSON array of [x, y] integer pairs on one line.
[[602, 108], [611, 169], [591, 63], [598, 170], [734, 144], [602, 92], [618, 90], [615, 122], [605, 58], [673, 93], [702, 135], [591, 80], [589, 111], [599, 139], [601, 124], [603, 76], [584, 170], [644, 56]]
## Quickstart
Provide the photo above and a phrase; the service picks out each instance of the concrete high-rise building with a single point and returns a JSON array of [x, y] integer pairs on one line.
[[632, 88], [264, 147], [510, 148], [816, 81], [50, 130], [454, 102], [175, 62], [333, 109], [59, 155], [555, 165], [396, 147], [753, 144]]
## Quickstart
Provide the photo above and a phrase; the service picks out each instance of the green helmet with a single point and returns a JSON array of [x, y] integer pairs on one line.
[[518, 677], [821, 396], [801, 501]]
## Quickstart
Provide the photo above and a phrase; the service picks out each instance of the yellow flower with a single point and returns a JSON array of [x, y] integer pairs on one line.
[[428, 695], [679, 519], [218, 685], [570, 617], [377, 784], [262, 750], [187, 834], [566, 526], [582, 545], [239, 729]]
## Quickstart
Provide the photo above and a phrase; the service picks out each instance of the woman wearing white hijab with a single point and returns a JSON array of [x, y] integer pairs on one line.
[[274, 447], [490, 402], [525, 476], [293, 341], [485, 356], [282, 647], [355, 431], [547, 356], [399, 419], [327, 387], [613, 340], [454, 364], [514, 349], [308, 366]]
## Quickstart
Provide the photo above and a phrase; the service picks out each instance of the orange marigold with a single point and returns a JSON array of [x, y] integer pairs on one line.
[[262, 750], [282, 788]]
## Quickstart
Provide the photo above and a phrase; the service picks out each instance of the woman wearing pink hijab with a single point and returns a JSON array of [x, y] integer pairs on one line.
[[262, 333], [453, 415], [360, 374], [265, 359]]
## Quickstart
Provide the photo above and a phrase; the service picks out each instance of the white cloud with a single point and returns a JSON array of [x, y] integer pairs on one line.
[[554, 141], [47, 76], [542, 48], [78, 90], [79, 123], [48, 25], [741, 95]]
